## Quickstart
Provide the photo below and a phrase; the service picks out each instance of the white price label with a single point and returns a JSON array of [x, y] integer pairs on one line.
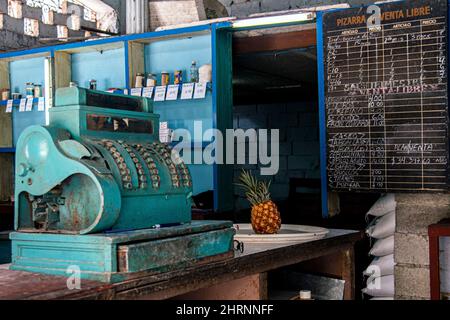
[[160, 93], [29, 105], [41, 104], [125, 91], [136, 92], [9, 106], [187, 91], [200, 90], [172, 92], [147, 92], [22, 105]]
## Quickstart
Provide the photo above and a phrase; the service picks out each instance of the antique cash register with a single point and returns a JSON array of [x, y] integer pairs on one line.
[[97, 191]]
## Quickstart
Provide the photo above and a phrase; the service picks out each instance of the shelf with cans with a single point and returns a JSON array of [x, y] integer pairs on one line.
[[115, 63]]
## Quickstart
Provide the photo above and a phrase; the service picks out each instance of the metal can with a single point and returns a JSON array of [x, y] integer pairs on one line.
[[93, 84], [165, 78], [178, 77]]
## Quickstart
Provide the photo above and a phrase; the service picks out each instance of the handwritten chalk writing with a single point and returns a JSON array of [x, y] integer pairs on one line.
[[386, 98]]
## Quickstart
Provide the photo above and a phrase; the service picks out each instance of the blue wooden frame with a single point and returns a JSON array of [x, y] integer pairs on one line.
[[322, 116]]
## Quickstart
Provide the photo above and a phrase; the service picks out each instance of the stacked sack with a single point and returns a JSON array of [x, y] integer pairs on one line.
[[380, 273]]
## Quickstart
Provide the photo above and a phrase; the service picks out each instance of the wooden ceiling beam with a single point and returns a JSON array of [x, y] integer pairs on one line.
[[275, 42]]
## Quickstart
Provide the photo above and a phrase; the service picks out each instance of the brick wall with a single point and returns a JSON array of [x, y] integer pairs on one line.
[[13, 27], [414, 214], [299, 143]]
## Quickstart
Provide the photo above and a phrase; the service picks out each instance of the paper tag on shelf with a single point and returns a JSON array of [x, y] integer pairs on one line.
[[147, 92], [172, 92], [163, 125], [137, 92], [125, 91], [160, 93], [200, 90], [29, 105], [22, 105], [187, 91], [41, 104], [9, 106]]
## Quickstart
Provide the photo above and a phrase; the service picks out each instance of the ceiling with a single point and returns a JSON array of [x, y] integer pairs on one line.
[[275, 76]]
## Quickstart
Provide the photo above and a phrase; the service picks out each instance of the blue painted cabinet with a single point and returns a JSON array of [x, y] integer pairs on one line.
[[114, 63]]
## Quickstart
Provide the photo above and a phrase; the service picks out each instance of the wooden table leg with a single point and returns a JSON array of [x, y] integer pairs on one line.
[[348, 273]]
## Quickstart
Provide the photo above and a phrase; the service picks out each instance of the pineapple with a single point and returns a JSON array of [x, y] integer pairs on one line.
[[265, 215]]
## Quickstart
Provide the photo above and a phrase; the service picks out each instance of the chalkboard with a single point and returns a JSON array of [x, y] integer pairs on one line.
[[385, 96]]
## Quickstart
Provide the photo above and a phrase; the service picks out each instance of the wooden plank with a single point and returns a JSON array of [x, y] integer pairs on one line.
[[6, 177], [275, 42], [136, 60], [6, 134], [63, 69]]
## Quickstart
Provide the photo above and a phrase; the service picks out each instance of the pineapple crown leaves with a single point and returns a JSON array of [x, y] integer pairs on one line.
[[257, 192]]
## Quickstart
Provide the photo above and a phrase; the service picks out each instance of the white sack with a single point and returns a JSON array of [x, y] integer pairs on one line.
[[383, 206], [381, 287], [382, 227], [382, 266], [382, 298], [383, 247]]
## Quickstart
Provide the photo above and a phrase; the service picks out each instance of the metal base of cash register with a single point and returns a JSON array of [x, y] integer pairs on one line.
[[116, 257]]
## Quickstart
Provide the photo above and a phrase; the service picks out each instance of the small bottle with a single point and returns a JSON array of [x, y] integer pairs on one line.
[[178, 77], [30, 90], [194, 72], [93, 84]]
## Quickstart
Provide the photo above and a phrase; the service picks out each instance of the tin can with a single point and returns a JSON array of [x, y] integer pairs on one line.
[[165, 78], [178, 77], [93, 84]]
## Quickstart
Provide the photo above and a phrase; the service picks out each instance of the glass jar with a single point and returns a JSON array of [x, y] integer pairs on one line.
[[165, 78], [151, 80], [139, 83], [37, 91], [29, 90]]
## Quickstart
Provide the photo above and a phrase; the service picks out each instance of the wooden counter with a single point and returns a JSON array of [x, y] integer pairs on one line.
[[337, 246]]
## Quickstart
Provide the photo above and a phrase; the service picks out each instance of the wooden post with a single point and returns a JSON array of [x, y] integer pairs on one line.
[[136, 60], [63, 69]]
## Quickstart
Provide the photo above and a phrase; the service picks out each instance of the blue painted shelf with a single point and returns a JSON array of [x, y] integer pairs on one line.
[[7, 150]]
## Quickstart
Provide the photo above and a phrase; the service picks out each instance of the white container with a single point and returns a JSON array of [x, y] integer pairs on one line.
[[205, 73]]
